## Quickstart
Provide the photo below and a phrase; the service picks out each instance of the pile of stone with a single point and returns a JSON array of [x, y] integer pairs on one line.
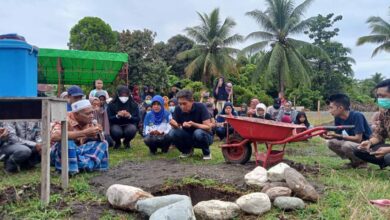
[[280, 186]]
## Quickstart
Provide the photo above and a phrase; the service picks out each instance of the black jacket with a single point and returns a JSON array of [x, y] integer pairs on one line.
[[116, 105]]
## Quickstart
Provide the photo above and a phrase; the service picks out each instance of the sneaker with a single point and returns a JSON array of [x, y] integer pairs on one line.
[[207, 157], [183, 155]]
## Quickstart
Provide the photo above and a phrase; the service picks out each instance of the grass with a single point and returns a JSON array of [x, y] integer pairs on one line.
[[345, 195]]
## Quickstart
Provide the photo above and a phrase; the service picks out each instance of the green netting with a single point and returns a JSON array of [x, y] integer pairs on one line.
[[79, 67]]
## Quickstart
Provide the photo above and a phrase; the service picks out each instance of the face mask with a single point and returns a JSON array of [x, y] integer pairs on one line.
[[384, 103], [148, 102], [172, 108], [123, 99]]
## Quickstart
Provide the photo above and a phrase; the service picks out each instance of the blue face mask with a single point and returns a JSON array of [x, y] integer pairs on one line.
[[384, 103]]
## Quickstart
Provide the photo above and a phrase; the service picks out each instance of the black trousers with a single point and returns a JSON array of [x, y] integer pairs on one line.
[[158, 141], [364, 155], [127, 132]]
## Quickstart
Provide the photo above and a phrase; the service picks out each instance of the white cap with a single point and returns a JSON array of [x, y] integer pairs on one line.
[[80, 105], [63, 94]]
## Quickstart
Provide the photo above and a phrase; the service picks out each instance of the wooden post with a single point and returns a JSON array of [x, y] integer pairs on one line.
[[45, 164], [295, 107], [64, 155], [318, 110]]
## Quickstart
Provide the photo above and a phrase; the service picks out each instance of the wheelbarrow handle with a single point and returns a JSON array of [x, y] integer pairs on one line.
[[336, 128]]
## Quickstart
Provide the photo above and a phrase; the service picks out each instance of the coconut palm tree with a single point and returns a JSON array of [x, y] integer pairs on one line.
[[284, 62], [380, 34], [212, 56]]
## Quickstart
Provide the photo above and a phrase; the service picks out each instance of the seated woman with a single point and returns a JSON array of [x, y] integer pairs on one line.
[[260, 112], [287, 114], [123, 114], [156, 126], [87, 151], [301, 119], [221, 124]]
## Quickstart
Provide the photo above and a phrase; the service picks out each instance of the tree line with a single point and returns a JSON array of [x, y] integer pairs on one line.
[[306, 71]]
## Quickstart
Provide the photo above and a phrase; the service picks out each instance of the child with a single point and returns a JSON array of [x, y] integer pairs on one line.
[[301, 119]]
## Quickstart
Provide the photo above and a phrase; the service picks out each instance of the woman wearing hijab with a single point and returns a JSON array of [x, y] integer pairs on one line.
[[260, 112], [228, 110], [166, 103], [287, 114], [123, 115], [136, 96], [156, 126]]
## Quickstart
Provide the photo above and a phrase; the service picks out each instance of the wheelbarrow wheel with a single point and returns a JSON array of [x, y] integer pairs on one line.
[[237, 155]]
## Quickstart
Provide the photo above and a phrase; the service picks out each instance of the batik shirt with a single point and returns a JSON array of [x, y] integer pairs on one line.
[[73, 125], [383, 130]]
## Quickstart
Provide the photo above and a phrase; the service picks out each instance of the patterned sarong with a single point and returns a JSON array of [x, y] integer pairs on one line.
[[90, 156]]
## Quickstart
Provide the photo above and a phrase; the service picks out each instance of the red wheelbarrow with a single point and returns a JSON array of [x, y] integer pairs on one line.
[[255, 130]]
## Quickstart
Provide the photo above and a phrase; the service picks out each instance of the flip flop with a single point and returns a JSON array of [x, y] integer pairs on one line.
[[381, 203]]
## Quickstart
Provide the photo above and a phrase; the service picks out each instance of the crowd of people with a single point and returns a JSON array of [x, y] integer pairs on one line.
[[98, 121]]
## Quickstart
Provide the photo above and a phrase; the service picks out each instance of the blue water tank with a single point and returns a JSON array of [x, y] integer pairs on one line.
[[18, 68]]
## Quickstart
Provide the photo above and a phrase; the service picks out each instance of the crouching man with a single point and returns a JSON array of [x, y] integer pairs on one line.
[[20, 146], [191, 126], [374, 150], [87, 149]]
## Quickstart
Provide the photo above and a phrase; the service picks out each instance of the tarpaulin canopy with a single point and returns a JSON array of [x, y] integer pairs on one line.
[[75, 67]]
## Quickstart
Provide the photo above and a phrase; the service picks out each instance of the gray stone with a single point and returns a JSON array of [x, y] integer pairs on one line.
[[276, 173], [289, 203], [148, 206], [181, 210], [125, 197], [273, 184], [216, 209], [257, 177], [278, 191], [299, 185], [254, 203]]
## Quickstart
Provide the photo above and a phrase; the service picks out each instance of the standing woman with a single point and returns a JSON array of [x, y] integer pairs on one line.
[[156, 126], [123, 114], [220, 93], [98, 87]]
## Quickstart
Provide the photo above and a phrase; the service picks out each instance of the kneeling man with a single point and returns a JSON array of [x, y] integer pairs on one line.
[[87, 149]]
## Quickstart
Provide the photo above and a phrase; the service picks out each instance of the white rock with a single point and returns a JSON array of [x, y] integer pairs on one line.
[[257, 177], [216, 209], [150, 205], [276, 173], [289, 203], [125, 197], [254, 203], [181, 210]]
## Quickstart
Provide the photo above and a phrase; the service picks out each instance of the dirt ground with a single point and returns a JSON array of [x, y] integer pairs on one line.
[[152, 177]]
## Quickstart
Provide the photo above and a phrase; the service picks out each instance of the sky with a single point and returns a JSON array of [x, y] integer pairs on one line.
[[47, 23]]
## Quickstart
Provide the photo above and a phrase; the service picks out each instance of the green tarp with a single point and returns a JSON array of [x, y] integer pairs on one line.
[[79, 67]]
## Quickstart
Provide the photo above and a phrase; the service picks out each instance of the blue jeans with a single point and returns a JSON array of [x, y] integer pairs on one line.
[[185, 141]]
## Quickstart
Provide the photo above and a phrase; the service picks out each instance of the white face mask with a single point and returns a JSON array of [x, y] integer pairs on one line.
[[123, 99]]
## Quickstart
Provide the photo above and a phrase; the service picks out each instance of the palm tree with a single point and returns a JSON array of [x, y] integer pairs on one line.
[[212, 55], [380, 34], [283, 62]]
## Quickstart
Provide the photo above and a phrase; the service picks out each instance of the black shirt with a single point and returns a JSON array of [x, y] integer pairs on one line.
[[198, 114]]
